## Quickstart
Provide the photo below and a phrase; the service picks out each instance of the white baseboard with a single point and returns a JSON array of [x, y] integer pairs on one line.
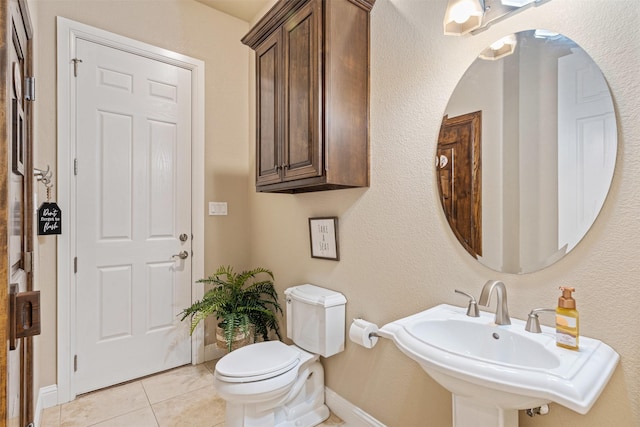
[[350, 414], [47, 398]]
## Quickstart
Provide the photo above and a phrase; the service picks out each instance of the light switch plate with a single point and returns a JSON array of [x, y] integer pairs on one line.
[[217, 208]]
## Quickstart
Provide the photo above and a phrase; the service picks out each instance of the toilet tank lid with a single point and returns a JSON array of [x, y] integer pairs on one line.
[[316, 295]]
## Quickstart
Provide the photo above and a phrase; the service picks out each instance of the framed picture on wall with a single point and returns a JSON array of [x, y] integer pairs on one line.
[[323, 234]]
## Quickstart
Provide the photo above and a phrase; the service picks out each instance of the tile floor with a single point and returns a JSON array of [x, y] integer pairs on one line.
[[183, 396]]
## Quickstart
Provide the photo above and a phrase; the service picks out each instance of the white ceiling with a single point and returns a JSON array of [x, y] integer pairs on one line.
[[242, 9]]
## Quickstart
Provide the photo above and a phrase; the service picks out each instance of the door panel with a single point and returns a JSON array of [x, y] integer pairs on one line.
[[459, 178], [116, 189], [133, 193], [269, 109], [586, 148], [302, 42], [162, 180]]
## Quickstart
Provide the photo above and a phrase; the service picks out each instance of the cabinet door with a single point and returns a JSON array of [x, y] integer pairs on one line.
[[303, 79], [269, 93]]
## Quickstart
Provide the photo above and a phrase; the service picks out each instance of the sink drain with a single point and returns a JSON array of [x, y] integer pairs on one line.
[[495, 335]]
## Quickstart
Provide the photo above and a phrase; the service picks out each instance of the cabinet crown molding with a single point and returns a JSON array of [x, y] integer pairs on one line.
[[279, 13]]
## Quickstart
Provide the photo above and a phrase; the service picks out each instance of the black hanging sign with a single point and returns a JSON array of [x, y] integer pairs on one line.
[[49, 219]]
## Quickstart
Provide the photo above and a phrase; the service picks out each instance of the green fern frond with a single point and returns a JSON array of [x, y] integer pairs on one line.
[[240, 302]]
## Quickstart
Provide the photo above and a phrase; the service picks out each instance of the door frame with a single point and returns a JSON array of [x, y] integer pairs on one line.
[[68, 32]]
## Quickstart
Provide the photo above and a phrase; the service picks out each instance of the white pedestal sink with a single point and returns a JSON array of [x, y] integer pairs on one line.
[[494, 371]]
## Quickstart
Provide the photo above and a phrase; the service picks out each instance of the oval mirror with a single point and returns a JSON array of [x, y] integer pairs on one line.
[[526, 151]]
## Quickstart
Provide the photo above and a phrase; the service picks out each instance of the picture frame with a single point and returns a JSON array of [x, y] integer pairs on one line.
[[323, 237]]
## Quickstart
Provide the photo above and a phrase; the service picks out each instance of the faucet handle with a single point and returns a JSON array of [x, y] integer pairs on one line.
[[472, 309], [533, 323]]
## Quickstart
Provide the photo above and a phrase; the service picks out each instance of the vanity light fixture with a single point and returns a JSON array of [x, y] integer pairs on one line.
[[473, 16], [503, 47], [516, 3], [463, 16]]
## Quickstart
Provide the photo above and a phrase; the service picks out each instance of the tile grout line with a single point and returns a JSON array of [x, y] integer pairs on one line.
[[124, 413], [155, 417]]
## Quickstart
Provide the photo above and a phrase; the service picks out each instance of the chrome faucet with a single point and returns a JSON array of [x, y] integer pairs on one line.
[[502, 311], [533, 323], [472, 308]]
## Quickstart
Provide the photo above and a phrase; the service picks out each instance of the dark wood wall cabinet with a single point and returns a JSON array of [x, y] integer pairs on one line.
[[312, 95]]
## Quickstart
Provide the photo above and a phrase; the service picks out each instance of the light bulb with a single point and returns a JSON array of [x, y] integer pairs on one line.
[[497, 45], [510, 39], [461, 12]]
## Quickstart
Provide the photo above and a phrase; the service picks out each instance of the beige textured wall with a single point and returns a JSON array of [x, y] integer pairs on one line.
[[187, 27], [397, 254]]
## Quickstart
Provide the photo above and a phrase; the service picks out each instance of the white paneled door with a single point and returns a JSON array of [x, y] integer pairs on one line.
[[133, 193], [586, 145]]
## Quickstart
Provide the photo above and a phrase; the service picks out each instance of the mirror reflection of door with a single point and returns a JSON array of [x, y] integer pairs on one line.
[[587, 155], [459, 178], [16, 223]]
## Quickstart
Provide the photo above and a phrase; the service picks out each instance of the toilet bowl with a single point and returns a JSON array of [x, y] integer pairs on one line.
[[270, 383]]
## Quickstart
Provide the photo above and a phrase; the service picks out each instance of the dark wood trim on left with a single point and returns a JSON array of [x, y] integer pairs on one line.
[[15, 13], [28, 399], [4, 200]]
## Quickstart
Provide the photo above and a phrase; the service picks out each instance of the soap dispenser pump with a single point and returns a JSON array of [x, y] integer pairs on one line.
[[567, 320]]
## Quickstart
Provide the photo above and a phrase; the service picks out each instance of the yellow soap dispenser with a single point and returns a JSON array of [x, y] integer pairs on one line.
[[567, 320]]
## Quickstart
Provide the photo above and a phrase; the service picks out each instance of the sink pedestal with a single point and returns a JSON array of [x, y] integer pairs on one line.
[[492, 371], [470, 412]]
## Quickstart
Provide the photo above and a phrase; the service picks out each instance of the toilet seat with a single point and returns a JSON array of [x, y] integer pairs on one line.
[[257, 362]]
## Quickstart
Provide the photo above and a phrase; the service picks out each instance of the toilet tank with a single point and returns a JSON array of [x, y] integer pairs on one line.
[[316, 319]]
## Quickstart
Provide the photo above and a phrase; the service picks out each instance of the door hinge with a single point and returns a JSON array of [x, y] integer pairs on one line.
[[27, 262], [75, 166], [30, 88], [75, 363], [75, 264], [75, 61]]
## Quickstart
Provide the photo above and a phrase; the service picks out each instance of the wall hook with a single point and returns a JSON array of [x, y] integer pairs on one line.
[[43, 175]]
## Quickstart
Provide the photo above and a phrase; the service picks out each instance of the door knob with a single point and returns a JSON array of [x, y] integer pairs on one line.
[[444, 161], [181, 255]]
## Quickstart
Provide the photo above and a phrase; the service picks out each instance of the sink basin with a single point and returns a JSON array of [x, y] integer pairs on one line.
[[483, 341], [502, 367]]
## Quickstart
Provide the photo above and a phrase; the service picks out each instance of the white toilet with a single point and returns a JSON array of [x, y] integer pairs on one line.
[[274, 384]]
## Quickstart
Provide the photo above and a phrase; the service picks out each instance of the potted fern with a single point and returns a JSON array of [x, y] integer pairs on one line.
[[245, 306]]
